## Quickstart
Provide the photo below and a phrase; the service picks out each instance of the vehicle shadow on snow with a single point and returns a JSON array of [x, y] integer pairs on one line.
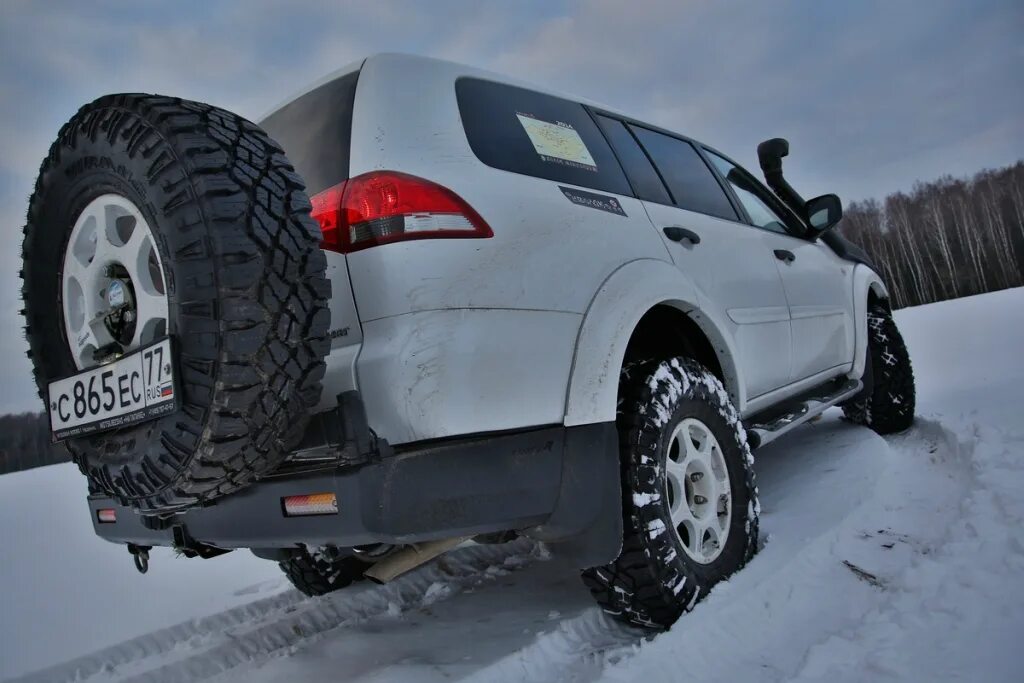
[[538, 622]]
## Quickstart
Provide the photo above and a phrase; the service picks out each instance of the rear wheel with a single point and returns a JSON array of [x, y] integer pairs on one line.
[[890, 406], [156, 216], [689, 497], [323, 570]]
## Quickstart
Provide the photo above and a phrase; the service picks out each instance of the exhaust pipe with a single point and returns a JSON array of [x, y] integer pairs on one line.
[[410, 557], [770, 154]]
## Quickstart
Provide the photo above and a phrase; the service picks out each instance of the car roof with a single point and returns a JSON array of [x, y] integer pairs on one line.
[[454, 70], [450, 70]]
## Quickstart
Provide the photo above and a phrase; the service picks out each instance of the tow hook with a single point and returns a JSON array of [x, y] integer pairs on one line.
[[140, 553]]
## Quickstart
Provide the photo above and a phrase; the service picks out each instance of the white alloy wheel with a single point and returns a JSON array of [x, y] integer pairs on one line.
[[698, 491], [112, 286]]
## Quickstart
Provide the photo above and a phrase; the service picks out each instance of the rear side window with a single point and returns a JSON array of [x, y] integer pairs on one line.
[[692, 184], [641, 173], [539, 135], [315, 131]]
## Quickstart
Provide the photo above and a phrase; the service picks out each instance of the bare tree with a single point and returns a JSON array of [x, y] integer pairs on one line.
[[946, 238]]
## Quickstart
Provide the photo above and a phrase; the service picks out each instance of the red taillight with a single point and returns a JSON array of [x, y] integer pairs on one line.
[[387, 206], [106, 516]]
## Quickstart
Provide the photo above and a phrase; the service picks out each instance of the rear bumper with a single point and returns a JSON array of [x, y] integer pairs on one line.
[[555, 484]]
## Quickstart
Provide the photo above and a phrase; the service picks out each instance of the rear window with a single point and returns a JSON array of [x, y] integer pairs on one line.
[[315, 131], [539, 135], [691, 182]]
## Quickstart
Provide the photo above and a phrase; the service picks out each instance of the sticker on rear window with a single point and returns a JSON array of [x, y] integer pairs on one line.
[[594, 201], [557, 142]]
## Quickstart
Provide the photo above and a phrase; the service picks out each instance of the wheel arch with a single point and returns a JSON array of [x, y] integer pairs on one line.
[[632, 307], [867, 287]]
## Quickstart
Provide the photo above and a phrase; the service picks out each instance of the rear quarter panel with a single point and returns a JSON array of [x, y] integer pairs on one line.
[[546, 254], [427, 370]]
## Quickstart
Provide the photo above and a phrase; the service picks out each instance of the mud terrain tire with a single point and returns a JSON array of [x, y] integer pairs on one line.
[[245, 285], [654, 580], [889, 408]]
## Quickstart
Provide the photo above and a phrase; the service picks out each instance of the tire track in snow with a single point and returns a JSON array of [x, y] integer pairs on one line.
[[574, 650], [210, 646], [581, 646], [252, 634], [588, 644]]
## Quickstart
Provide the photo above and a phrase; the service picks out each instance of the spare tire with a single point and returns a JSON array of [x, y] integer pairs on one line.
[[199, 216]]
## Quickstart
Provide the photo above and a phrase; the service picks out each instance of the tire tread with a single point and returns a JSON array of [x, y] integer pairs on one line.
[[890, 406], [642, 586], [247, 252]]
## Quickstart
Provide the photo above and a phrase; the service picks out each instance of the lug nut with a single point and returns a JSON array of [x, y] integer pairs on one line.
[[699, 500], [129, 316], [696, 476]]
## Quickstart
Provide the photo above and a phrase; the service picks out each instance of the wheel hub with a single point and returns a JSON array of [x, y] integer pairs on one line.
[[120, 313], [698, 490], [115, 293], [112, 285]]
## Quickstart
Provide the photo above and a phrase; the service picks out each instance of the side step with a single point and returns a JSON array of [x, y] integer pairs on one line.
[[768, 425]]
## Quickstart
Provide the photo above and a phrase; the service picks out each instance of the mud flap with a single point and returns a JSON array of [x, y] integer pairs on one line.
[[585, 527]]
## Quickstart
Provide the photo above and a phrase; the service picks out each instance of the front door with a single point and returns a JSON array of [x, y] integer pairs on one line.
[[819, 288], [818, 283]]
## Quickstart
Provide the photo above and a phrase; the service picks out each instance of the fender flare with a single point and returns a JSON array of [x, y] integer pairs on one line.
[[610, 319], [865, 281]]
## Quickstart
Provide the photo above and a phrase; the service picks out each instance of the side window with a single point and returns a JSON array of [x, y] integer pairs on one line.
[[692, 184], [641, 173], [539, 135], [761, 215]]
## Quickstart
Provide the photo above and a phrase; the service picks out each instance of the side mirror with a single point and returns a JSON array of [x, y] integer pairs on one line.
[[823, 213]]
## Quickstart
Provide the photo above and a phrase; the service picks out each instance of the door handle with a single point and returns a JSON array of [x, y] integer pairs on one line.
[[785, 255], [677, 234]]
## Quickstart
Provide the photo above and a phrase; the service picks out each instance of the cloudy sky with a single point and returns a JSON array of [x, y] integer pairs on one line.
[[871, 95]]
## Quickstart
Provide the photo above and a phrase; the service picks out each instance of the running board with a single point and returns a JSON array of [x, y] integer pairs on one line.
[[770, 424]]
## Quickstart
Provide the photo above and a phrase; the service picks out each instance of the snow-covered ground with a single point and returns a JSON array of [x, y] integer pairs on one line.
[[883, 559]]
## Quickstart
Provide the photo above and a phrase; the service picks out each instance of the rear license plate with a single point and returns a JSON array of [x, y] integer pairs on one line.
[[138, 387]]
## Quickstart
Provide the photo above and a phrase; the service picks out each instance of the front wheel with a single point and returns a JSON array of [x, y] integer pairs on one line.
[[689, 495], [889, 407]]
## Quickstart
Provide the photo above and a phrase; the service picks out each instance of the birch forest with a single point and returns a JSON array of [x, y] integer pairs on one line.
[[947, 238]]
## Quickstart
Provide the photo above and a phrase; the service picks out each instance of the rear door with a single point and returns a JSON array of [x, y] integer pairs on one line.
[[817, 282], [731, 265]]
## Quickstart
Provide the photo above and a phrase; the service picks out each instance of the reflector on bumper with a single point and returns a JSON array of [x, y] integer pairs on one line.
[[312, 504]]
